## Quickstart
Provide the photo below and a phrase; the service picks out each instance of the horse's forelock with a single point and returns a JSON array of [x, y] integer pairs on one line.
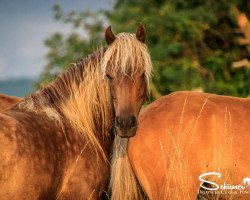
[[127, 55]]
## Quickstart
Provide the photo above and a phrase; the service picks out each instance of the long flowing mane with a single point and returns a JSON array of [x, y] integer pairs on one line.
[[81, 94]]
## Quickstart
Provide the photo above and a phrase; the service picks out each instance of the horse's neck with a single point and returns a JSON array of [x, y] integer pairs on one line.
[[79, 96]]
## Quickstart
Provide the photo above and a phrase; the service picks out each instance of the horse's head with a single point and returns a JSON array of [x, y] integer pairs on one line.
[[127, 65]]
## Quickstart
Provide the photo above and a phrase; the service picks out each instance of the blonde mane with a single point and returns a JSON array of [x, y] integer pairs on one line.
[[81, 94], [127, 55]]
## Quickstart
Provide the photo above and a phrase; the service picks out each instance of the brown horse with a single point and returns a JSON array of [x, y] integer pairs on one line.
[[183, 136], [55, 144], [7, 102]]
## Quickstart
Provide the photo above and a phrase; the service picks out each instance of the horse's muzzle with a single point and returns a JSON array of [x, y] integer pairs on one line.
[[126, 126]]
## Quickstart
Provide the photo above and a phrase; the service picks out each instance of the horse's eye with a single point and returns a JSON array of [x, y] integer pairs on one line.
[[143, 75], [109, 77]]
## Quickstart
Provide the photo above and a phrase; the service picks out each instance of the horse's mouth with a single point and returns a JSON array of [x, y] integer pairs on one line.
[[126, 133]]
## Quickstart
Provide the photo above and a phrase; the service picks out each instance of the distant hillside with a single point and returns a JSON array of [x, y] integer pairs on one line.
[[19, 88]]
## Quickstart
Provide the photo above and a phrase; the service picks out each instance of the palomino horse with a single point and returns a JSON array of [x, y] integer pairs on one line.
[[7, 102], [55, 144], [183, 136]]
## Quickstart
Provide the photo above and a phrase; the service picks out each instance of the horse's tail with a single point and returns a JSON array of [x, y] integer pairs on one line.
[[123, 182]]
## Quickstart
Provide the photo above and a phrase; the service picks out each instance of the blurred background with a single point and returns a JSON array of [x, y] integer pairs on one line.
[[195, 45]]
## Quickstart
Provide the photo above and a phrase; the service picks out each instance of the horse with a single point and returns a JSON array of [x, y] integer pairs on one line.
[[187, 140], [7, 102], [56, 142]]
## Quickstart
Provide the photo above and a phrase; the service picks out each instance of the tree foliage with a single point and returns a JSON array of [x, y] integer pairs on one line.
[[192, 43]]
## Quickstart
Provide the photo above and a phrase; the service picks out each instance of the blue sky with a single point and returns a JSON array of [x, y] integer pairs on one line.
[[24, 25]]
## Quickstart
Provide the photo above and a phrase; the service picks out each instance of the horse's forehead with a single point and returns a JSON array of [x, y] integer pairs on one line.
[[129, 75], [126, 80], [129, 70]]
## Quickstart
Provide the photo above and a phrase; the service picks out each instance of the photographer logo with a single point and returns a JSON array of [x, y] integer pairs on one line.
[[226, 188]]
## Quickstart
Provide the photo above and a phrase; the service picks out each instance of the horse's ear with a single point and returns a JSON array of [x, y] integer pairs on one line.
[[141, 33], [109, 36]]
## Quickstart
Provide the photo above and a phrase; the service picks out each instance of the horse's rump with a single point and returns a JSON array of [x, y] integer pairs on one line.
[[186, 134]]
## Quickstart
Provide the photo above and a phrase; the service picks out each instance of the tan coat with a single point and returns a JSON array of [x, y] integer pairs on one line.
[[186, 134]]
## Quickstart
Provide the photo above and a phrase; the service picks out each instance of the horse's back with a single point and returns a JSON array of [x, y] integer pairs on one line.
[[173, 111], [185, 134], [192, 102], [7, 102], [193, 112]]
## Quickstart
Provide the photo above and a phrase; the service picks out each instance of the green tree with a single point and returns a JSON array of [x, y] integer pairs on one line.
[[192, 43], [64, 50]]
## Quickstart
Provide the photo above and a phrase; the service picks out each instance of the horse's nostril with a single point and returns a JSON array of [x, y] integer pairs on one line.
[[127, 122], [118, 121], [132, 121]]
